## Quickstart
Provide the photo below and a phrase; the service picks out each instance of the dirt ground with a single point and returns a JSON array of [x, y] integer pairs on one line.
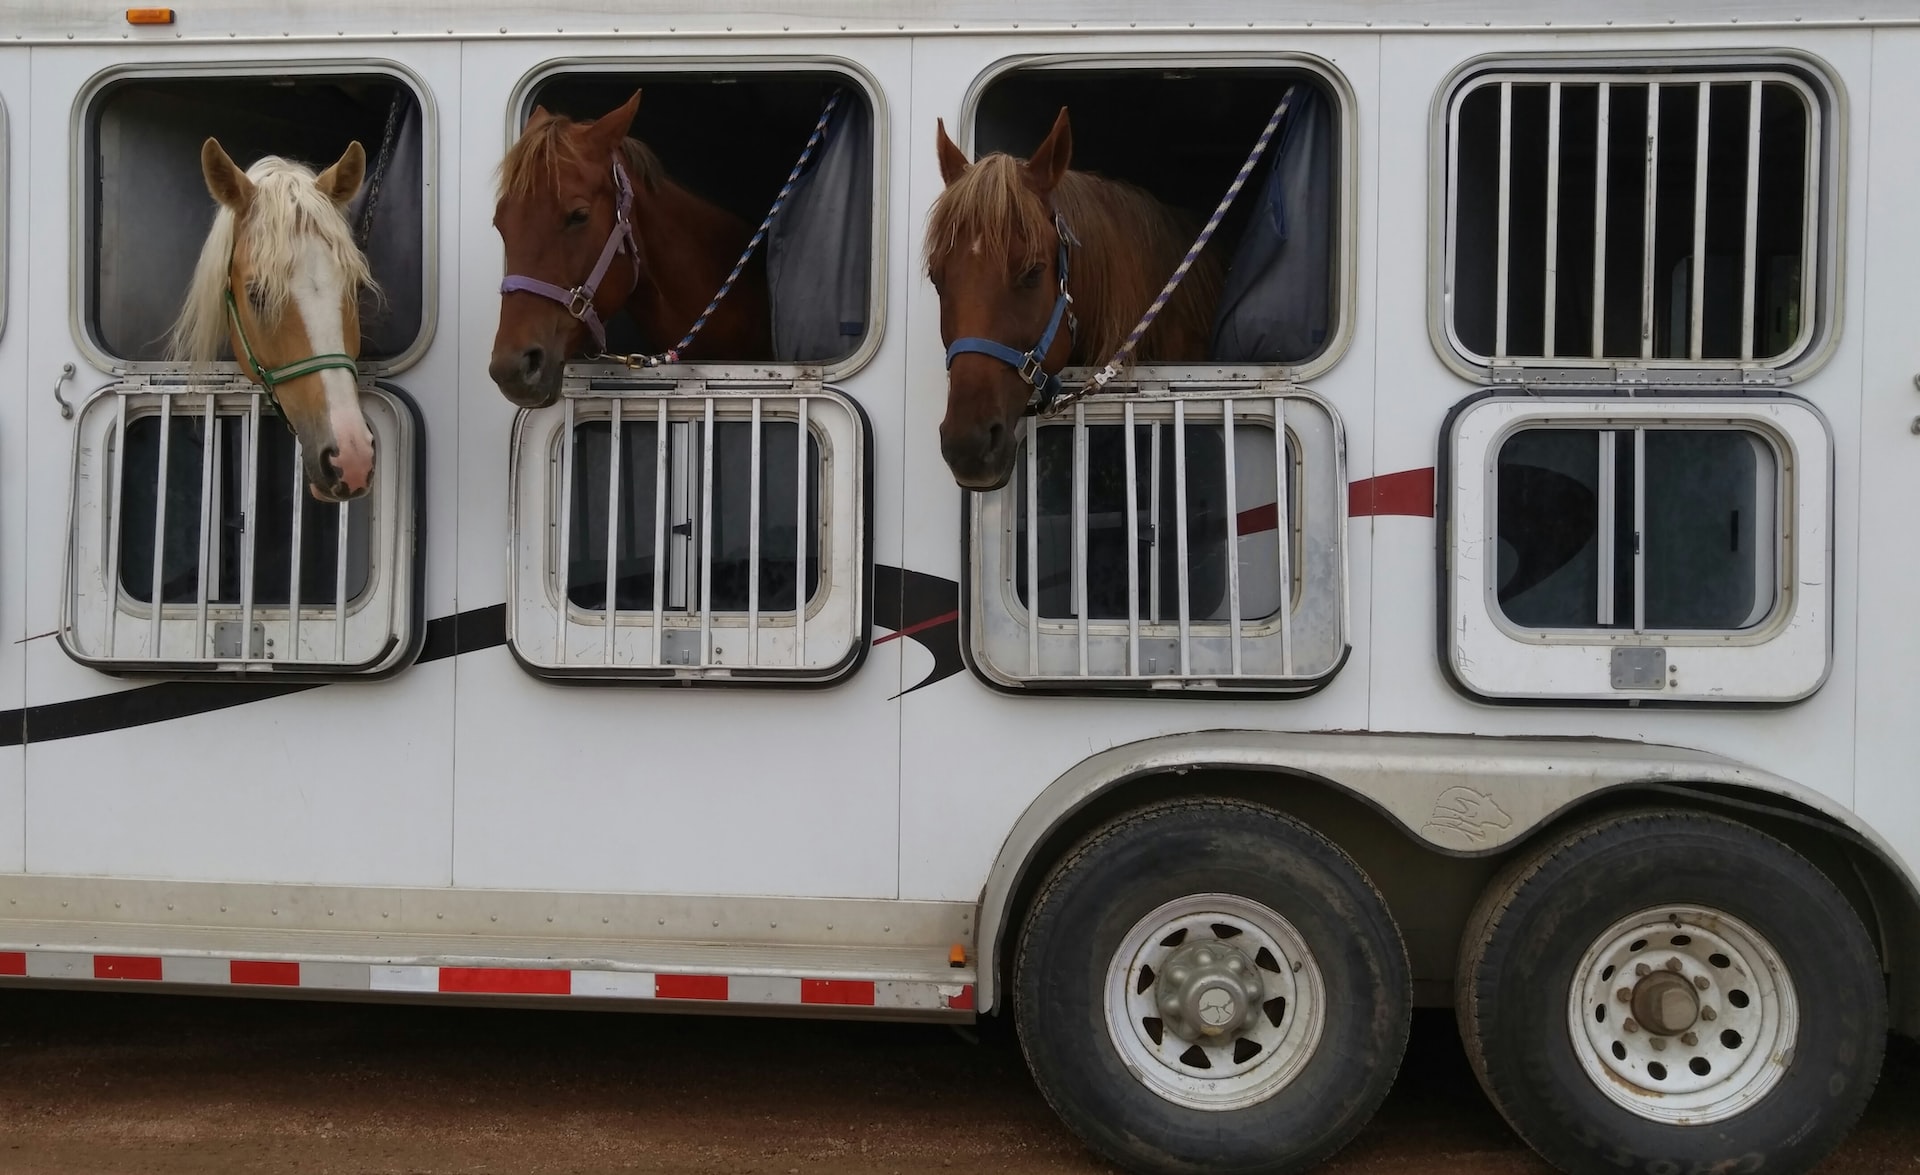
[[166, 1085]]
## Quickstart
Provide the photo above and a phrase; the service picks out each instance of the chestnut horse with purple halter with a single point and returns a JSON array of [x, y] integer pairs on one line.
[[592, 224]]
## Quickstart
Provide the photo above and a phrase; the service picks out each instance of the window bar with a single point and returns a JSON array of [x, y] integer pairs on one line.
[[659, 529], [1600, 153], [1553, 216], [341, 533], [1639, 530], [1033, 546], [800, 538], [1609, 468], [706, 538], [113, 524], [753, 542], [566, 531], [210, 442], [1180, 521], [1753, 220], [1506, 218], [249, 495], [613, 526], [1153, 521], [1132, 483], [1649, 219], [1080, 526], [1697, 311], [157, 598], [1233, 533], [293, 560], [1283, 529]]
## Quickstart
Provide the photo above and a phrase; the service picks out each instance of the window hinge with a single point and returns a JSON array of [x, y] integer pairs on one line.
[[1629, 373], [1760, 377], [1502, 371]]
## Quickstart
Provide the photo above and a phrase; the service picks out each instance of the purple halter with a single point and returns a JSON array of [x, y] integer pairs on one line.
[[579, 300]]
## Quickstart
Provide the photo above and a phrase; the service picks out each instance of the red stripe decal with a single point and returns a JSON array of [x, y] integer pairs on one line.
[[126, 967], [13, 962], [506, 980], [1258, 519], [850, 992], [962, 1002], [263, 974], [1408, 492], [690, 987], [909, 630]]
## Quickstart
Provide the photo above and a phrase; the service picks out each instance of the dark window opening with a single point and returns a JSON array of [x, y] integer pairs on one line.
[[639, 520], [1570, 547], [1156, 552], [150, 209], [1779, 221], [732, 139], [278, 489], [1182, 135]]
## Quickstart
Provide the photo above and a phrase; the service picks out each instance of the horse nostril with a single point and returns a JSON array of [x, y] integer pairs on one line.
[[995, 433], [531, 361]]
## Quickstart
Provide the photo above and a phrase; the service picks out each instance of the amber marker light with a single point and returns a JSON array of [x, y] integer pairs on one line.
[[149, 16]]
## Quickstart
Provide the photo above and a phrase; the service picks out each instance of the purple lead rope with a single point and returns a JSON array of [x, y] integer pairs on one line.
[[1105, 375]]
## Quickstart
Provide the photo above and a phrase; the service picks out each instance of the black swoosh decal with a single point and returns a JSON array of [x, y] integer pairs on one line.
[[926, 610]]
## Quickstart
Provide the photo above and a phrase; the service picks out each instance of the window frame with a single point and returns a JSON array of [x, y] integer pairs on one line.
[[82, 244], [1825, 192], [396, 577], [1489, 657], [537, 597], [6, 223], [992, 616], [520, 105], [1344, 301]]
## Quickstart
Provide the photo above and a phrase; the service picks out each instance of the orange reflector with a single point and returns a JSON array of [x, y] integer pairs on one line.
[[149, 16], [956, 956]]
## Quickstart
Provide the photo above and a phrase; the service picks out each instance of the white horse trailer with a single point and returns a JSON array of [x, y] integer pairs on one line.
[[1524, 634]]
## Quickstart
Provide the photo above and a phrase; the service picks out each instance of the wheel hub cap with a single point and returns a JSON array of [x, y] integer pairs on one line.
[[1664, 1003], [1208, 989]]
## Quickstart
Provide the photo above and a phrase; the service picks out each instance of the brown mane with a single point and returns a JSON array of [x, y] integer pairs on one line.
[[547, 148], [1129, 244]]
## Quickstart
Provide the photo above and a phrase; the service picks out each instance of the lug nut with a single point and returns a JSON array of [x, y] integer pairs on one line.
[[1659, 1044], [1629, 1025], [1709, 1014], [1673, 964], [1625, 994], [1700, 981], [1689, 1039], [1642, 970]]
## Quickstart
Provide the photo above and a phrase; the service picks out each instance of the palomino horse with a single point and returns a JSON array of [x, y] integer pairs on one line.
[[1017, 251], [592, 223], [278, 280]]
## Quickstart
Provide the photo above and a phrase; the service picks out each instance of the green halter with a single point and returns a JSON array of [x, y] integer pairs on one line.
[[272, 377]]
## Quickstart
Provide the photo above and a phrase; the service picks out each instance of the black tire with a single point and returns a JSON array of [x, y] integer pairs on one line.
[[1541, 915], [1117, 876]]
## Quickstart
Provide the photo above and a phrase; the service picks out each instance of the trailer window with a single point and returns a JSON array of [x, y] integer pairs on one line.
[[1181, 130], [196, 548], [1205, 554], [147, 208], [1648, 550], [1667, 216], [691, 536], [732, 137]]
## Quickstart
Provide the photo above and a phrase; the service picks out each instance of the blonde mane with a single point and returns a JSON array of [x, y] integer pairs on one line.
[[287, 206], [1130, 243], [546, 149]]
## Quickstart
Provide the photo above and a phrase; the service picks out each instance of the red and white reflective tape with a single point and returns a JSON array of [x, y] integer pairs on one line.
[[761, 990]]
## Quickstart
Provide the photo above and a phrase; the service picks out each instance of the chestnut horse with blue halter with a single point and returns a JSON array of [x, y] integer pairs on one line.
[[278, 281], [592, 224], [1037, 268]]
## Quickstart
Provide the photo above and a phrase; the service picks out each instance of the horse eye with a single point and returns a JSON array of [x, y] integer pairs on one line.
[[1032, 276], [577, 217], [256, 297]]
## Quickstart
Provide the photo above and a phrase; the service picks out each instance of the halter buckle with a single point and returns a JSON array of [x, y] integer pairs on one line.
[[579, 301], [1030, 371]]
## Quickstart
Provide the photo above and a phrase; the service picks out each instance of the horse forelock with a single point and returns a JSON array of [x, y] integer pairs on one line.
[[547, 150], [288, 210]]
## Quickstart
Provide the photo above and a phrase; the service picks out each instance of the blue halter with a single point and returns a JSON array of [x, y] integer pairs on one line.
[[1046, 384]]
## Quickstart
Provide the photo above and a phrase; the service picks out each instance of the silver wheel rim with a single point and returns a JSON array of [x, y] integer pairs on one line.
[[1683, 1015], [1214, 1002]]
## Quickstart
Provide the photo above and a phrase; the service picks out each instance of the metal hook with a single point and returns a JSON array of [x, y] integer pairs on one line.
[[66, 373]]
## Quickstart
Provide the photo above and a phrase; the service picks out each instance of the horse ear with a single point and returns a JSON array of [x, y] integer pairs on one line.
[[342, 180], [226, 181], [1051, 157], [953, 161], [614, 126]]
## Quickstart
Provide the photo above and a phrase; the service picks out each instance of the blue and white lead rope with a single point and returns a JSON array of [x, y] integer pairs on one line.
[[672, 355], [1105, 375]]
